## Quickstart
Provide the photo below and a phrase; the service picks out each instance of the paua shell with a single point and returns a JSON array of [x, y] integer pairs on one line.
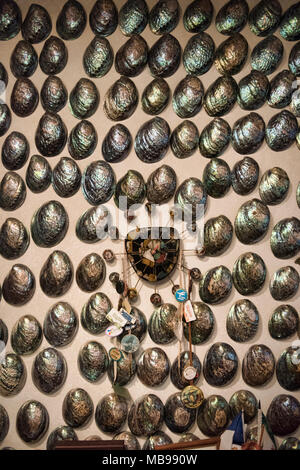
[[24, 60], [56, 275], [14, 239], [178, 418], [253, 90], [49, 224], [298, 195], [84, 99], [284, 322], [61, 433], [191, 195], [160, 438], [248, 134], [242, 321], [215, 286], [188, 437], [244, 176], [281, 89], [139, 329], [130, 441], [132, 186], [289, 26], [232, 17], [93, 314], [38, 174], [5, 118], [161, 185], [252, 221], [198, 54], [133, 17], [83, 140], [37, 24], [116, 144], [152, 140], [12, 191], [111, 413], [290, 443], [295, 104], [177, 369], [4, 423], [92, 226], [54, 94], [287, 369], [32, 421], [220, 96], [294, 60], [10, 20], [60, 324], [125, 370], [217, 178], [24, 97], [281, 131], [184, 139], [285, 238], [274, 186], [164, 16], [188, 96], [54, 56], [202, 327], [218, 232], [19, 285], [92, 361], [12, 375], [3, 77], [77, 408], [98, 182], [66, 177], [249, 273], [98, 57], [284, 283], [220, 364], [132, 57], [155, 97], [245, 401], [146, 415], [214, 138], [198, 16], [26, 335], [258, 365], [231, 55], [103, 18], [51, 135], [49, 371], [121, 99], [267, 55], [3, 333], [213, 416], [91, 272], [162, 324], [153, 367], [265, 17], [15, 151], [71, 21], [284, 415], [164, 56]]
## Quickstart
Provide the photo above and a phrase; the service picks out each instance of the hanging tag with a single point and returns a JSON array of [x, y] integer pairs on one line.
[[126, 305], [129, 318], [115, 354], [115, 317], [113, 331], [188, 312]]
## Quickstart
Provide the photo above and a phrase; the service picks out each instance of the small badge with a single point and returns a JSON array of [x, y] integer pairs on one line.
[[130, 343], [115, 317], [113, 331], [192, 397], [189, 373], [188, 312], [181, 295], [129, 318], [115, 354]]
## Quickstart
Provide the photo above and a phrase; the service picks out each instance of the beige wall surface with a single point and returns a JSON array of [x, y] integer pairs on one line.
[[34, 257]]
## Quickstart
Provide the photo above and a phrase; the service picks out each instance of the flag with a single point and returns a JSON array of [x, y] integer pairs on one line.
[[265, 437], [234, 434]]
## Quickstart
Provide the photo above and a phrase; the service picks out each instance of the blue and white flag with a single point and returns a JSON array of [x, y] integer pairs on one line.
[[234, 436]]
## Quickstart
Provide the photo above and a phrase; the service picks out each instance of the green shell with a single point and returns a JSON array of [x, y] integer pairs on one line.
[[92, 361], [281, 131], [282, 87], [267, 55], [93, 314], [198, 54], [133, 17], [4, 423], [162, 324], [215, 286], [232, 17], [258, 365], [265, 17], [26, 335], [202, 327], [290, 23], [146, 415], [294, 60], [220, 364], [283, 415], [164, 16], [198, 16], [252, 221], [248, 134], [249, 273], [32, 421], [98, 57], [217, 178], [287, 369], [153, 367], [184, 139], [155, 97], [284, 283], [231, 55], [253, 90], [218, 232], [14, 239], [245, 401], [242, 321], [244, 176], [61, 433], [178, 418], [220, 96], [214, 138], [188, 96], [12, 375], [49, 371], [60, 324], [126, 370], [71, 21], [213, 416], [284, 322], [77, 408], [111, 413], [274, 186], [285, 238]]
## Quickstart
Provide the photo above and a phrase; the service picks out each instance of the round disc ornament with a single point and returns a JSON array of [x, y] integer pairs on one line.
[[130, 343], [192, 396], [115, 354], [181, 295], [189, 373]]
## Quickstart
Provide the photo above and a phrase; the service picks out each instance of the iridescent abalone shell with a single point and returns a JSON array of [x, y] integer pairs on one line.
[[220, 96], [49, 371], [244, 176], [103, 18], [3, 77], [54, 56], [111, 413], [198, 54], [83, 140], [198, 16], [178, 418], [5, 117], [12, 375], [3, 334], [61, 433], [248, 134], [133, 17], [294, 60], [265, 17], [130, 441], [84, 99], [232, 17], [92, 226], [37, 24], [281, 89], [92, 361], [132, 57], [15, 151], [132, 187], [244, 401], [287, 369], [217, 178], [184, 139], [66, 177], [24, 60], [164, 16], [284, 415], [218, 232], [12, 191], [161, 185], [91, 272], [253, 90], [49, 224], [188, 96], [281, 131], [26, 335], [249, 273], [77, 408], [231, 55], [289, 26], [54, 94], [160, 438], [19, 285], [93, 314], [220, 364], [242, 321], [178, 367], [98, 182], [51, 135], [162, 324], [146, 415], [38, 174], [215, 286], [284, 322], [121, 99], [164, 56], [295, 103], [24, 97], [188, 437], [155, 97], [214, 138], [32, 421], [290, 443], [71, 21], [191, 195], [56, 275], [202, 327], [274, 186], [117, 144], [252, 221], [284, 283], [298, 195], [125, 370], [267, 55], [153, 367], [98, 57], [213, 416], [285, 238], [152, 140], [60, 324], [14, 239], [258, 365], [4, 423], [10, 20], [139, 329]]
